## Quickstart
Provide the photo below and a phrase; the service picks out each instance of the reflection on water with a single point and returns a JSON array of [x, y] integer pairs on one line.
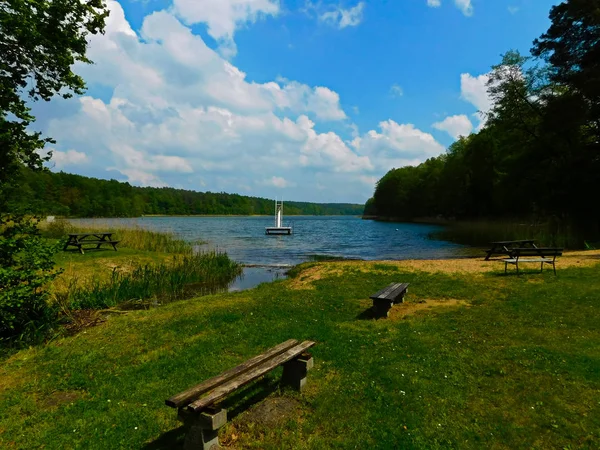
[[253, 276], [244, 239]]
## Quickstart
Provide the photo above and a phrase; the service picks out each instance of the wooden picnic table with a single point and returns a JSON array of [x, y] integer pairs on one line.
[[91, 238], [505, 247]]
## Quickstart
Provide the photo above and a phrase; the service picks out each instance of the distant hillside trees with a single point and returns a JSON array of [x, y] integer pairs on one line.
[[65, 194]]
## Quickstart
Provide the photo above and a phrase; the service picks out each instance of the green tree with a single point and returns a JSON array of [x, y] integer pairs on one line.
[[572, 48], [40, 40]]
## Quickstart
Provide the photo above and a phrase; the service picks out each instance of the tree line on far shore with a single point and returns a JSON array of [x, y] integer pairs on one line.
[[70, 195], [538, 155]]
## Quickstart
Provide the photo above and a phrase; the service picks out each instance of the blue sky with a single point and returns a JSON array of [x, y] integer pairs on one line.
[[306, 100]]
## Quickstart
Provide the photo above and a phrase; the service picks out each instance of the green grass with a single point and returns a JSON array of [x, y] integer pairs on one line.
[[519, 368]]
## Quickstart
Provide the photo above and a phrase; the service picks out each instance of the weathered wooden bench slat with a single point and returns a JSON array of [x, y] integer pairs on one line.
[[193, 393], [383, 293], [390, 291], [399, 289], [246, 377]]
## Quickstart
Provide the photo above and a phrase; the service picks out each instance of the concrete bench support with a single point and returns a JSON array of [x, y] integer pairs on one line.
[[295, 371], [203, 428]]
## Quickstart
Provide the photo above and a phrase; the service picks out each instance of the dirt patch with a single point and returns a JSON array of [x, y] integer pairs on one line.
[[473, 266], [271, 412], [59, 398], [268, 414], [79, 320], [402, 310]]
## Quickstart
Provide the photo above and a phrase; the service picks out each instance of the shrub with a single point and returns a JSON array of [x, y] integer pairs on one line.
[[26, 267]]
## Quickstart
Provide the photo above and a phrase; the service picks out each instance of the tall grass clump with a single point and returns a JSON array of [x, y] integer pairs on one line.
[[481, 233], [183, 277], [135, 238]]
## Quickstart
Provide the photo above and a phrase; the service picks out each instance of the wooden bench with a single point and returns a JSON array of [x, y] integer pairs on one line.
[[197, 406], [543, 255], [504, 247], [385, 298]]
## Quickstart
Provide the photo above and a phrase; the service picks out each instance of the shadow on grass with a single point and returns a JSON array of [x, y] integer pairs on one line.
[[369, 314], [170, 440], [88, 250], [241, 401]]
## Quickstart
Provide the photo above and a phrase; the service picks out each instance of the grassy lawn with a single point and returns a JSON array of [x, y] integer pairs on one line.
[[513, 362]]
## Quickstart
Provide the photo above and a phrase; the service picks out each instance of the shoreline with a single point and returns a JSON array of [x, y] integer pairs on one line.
[[474, 264]]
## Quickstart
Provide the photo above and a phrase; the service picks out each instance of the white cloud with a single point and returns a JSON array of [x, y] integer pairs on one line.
[[68, 158], [465, 6], [398, 145], [342, 18], [396, 90], [224, 17], [455, 126], [474, 90], [513, 9], [144, 178], [181, 115], [279, 182]]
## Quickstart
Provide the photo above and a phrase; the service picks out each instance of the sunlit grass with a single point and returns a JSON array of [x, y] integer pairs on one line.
[[517, 367]]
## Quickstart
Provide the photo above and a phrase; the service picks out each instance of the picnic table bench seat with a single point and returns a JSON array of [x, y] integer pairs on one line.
[[543, 255], [197, 406], [387, 297]]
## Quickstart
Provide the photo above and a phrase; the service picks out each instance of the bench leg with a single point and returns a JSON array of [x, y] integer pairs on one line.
[[203, 429], [381, 308], [554, 267], [295, 371]]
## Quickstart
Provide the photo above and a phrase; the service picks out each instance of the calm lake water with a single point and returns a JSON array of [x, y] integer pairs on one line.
[[244, 239]]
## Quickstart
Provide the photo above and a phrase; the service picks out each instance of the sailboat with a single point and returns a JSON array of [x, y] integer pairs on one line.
[[278, 228]]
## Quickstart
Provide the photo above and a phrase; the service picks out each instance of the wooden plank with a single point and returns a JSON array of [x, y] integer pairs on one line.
[[398, 291], [523, 241], [191, 394], [248, 376], [540, 251], [382, 293], [389, 290]]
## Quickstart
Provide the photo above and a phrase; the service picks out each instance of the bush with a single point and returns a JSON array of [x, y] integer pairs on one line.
[[26, 267]]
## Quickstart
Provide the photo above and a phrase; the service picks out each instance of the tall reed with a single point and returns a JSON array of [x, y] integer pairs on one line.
[[136, 238], [481, 233], [183, 277]]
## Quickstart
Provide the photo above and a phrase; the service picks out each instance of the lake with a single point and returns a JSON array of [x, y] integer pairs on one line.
[[244, 239]]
